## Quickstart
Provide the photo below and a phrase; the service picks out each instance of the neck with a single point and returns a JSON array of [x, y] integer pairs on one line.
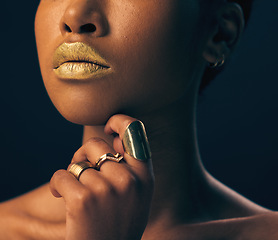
[[179, 174]]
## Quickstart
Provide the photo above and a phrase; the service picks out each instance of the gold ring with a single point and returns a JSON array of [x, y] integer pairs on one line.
[[77, 168], [135, 141], [108, 156]]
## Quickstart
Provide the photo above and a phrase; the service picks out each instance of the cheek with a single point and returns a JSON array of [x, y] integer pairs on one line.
[[46, 31], [156, 52], [47, 20]]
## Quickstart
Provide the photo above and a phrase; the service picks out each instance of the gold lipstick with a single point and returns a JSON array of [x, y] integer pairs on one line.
[[78, 61]]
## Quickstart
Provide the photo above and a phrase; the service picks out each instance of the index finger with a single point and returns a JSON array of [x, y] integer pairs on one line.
[[132, 134], [118, 124]]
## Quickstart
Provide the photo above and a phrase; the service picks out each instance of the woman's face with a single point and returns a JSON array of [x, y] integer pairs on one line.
[[143, 50]]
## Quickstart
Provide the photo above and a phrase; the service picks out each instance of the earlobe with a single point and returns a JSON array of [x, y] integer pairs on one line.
[[225, 33]]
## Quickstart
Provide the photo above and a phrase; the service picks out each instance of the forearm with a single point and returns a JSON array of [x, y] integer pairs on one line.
[[17, 225], [35, 215]]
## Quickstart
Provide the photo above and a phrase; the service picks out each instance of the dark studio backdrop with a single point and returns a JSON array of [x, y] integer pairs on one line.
[[237, 114]]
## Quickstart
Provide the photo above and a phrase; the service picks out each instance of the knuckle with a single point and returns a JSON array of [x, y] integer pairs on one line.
[[76, 155], [94, 143], [83, 196], [103, 189], [80, 202], [130, 183], [58, 175]]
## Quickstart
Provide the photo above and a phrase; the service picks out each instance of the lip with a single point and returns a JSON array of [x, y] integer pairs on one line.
[[78, 61]]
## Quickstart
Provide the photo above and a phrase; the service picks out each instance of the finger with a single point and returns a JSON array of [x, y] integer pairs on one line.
[[118, 145], [92, 150], [78, 194], [63, 184], [118, 124], [133, 135], [98, 184]]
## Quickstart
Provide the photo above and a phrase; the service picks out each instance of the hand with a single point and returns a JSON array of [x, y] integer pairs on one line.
[[112, 203]]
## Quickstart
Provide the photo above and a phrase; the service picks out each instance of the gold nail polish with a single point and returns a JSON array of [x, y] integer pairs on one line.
[[135, 141]]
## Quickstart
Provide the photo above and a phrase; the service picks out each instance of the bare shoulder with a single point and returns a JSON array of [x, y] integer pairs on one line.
[[263, 226], [257, 227]]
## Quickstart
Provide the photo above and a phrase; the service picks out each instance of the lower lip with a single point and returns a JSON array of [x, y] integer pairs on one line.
[[80, 70]]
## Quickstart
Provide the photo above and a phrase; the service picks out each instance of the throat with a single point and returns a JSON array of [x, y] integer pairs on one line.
[[180, 178]]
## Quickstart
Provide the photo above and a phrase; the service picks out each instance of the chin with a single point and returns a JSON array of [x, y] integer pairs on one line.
[[82, 116], [83, 106]]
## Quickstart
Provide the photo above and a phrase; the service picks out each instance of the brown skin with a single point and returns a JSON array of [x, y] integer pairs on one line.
[[157, 51], [142, 56], [119, 199]]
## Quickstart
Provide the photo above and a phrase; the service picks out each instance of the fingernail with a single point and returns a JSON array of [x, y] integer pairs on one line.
[[135, 141]]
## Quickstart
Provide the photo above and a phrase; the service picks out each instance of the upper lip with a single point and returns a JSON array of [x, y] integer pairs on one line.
[[77, 52]]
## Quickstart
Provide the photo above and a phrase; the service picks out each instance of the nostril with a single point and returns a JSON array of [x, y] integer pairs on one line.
[[67, 28], [86, 28], [89, 27]]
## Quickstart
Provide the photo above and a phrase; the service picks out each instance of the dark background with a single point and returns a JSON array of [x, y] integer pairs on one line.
[[237, 114]]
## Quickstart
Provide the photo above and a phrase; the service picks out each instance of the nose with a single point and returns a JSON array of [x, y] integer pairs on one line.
[[84, 17]]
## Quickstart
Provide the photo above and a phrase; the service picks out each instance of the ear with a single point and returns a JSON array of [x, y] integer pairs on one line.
[[225, 33]]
